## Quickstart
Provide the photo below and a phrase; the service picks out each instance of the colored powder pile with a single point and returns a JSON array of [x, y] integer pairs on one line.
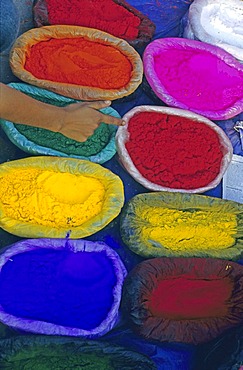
[[80, 62], [51, 198], [183, 154], [51, 357], [54, 140], [187, 229], [199, 79], [105, 15], [42, 353], [61, 287], [186, 297]]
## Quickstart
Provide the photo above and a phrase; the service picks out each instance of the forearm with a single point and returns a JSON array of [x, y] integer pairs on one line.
[[20, 108], [76, 121]]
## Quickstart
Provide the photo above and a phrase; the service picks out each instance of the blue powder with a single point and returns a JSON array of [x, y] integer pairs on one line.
[[61, 287]]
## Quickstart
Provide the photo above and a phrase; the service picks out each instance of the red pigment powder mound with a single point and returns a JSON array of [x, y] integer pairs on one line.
[[80, 62], [188, 298], [104, 15], [174, 151]]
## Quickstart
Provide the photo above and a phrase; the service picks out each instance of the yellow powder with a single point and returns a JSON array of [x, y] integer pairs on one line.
[[187, 229], [50, 198]]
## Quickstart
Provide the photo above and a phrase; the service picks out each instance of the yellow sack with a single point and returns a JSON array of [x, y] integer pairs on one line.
[[51, 197], [168, 224]]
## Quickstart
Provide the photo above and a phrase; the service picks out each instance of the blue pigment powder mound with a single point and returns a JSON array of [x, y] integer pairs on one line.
[[59, 287]]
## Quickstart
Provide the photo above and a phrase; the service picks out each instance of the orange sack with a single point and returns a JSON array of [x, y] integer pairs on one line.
[[77, 62], [80, 62]]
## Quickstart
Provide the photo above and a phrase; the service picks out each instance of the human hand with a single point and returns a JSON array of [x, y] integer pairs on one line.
[[81, 119]]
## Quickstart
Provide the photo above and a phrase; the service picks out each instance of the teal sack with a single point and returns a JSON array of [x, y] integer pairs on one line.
[[98, 148]]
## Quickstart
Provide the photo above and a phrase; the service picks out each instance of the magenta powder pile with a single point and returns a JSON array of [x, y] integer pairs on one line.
[[199, 79]]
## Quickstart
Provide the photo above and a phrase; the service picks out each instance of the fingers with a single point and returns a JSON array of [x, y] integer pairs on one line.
[[77, 137], [74, 135], [80, 136], [98, 104], [110, 120], [88, 104]]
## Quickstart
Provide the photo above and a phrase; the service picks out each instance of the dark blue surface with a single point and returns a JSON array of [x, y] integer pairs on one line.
[[166, 14], [234, 136], [166, 356], [61, 287], [222, 353], [9, 24]]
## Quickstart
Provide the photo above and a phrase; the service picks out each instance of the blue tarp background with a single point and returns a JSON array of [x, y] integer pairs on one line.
[[166, 14]]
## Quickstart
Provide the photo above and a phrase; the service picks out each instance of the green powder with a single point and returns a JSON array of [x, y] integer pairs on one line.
[[56, 358], [92, 146], [42, 353]]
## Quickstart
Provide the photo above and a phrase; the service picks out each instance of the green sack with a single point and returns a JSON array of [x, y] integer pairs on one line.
[[41, 352], [99, 148], [183, 225]]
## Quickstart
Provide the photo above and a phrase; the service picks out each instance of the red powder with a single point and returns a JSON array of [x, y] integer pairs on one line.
[[80, 62], [173, 151], [187, 298], [199, 79], [104, 15]]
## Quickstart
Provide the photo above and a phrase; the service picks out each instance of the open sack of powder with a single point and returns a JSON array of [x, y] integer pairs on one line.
[[60, 287], [116, 17], [183, 225], [189, 300], [194, 75], [77, 62], [217, 22], [54, 353], [169, 149], [98, 148], [55, 197]]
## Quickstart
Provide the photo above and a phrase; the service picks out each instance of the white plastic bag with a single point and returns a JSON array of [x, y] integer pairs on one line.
[[217, 22]]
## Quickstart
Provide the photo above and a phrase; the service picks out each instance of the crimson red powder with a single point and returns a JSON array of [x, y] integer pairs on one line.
[[173, 151], [104, 15], [79, 61], [188, 298]]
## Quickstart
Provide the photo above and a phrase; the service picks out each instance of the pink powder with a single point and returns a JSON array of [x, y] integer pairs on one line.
[[199, 79]]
